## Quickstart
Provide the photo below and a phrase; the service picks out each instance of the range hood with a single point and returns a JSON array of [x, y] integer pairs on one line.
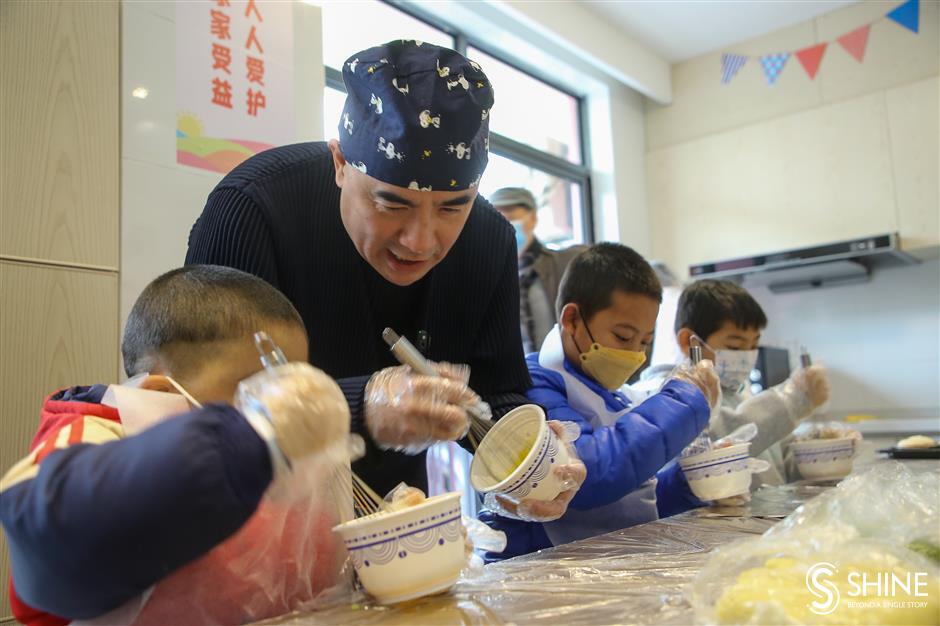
[[840, 263]]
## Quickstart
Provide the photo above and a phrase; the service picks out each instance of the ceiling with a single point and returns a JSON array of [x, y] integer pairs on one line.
[[682, 29]]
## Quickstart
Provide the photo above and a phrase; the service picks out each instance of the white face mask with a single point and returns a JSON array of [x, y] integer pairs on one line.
[[142, 408], [733, 366]]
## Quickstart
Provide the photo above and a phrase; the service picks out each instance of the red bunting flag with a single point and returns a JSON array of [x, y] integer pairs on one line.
[[810, 58], [855, 42]]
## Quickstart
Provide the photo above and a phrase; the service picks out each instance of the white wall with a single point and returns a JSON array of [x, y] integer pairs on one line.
[[742, 169], [880, 340], [160, 199]]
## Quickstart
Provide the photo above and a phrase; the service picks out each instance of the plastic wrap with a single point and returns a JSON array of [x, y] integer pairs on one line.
[[408, 412], [285, 558], [802, 570], [636, 575], [305, 408]]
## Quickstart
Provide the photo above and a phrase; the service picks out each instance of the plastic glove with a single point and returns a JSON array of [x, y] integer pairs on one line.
[[408, 412], [572, 475], [814, 382], [404, 496], [703, 376], [300, 406]]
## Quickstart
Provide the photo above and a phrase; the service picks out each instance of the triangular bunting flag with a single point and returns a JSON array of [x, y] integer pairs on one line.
[[907, 15], [810, 58], [855, 42], [773, 65], [730, 64]]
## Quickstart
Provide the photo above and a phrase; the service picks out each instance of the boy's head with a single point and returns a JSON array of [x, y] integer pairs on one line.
[[724, 315], [609, 295], [196, 325]]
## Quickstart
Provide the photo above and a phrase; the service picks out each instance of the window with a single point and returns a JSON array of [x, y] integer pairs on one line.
[[333, 101], [352, 26], [559, 200], [530, 111], [535, 128]]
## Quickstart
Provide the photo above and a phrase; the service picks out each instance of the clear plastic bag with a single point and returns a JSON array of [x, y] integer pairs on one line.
[[880, 521], [285, 558]]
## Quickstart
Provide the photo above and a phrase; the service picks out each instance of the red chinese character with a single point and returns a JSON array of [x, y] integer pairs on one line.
[[221, 58], [222, 3], [221, 93], [252, 5], [255, 70], [256, 100], [252, 37], [220, 23]]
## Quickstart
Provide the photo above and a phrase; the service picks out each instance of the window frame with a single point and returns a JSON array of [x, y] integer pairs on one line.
[[578, 173]]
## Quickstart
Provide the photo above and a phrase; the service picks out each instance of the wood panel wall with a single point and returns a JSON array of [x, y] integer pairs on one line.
[[59, 209]]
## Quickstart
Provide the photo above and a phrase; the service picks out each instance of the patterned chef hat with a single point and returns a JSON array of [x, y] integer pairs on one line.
[[416, 116]]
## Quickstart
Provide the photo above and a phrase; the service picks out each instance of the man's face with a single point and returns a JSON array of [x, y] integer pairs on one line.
[[402, 233], [523, 215], [627, 324]]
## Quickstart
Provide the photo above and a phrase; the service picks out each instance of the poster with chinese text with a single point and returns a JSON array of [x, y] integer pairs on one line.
[[234, 80]]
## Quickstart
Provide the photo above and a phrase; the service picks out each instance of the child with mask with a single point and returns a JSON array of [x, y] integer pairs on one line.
[[142, 503], [607, 305], [727, 321]]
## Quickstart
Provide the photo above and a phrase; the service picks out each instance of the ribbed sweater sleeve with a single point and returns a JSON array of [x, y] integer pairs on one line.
[[232, 232]]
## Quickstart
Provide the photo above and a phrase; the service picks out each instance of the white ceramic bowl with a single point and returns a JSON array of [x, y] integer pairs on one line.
[[824, 459], [719, 473], [517, 457], [407, 554]]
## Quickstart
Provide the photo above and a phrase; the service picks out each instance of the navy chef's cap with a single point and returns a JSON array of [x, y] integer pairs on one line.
[[416, 116]]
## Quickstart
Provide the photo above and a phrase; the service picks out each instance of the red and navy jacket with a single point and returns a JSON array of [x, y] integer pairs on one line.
[[94, 519]]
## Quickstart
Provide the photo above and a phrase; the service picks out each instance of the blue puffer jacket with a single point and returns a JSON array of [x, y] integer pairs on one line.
[[641, 444]]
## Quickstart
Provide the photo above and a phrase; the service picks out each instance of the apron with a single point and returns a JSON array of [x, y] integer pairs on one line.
[[637, 507]]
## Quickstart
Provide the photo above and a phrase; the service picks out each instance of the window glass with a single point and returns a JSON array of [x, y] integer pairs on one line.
[[333, 101], [559, 200], [530, 111], [353, 25]]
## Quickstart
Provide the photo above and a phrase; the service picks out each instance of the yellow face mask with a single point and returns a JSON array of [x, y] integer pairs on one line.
[[610, 367]]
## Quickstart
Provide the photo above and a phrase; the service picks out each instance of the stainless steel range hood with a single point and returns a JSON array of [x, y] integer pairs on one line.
[[840, 263]]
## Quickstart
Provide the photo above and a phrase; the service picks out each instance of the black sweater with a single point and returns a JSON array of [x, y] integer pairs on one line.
[[277, 216]]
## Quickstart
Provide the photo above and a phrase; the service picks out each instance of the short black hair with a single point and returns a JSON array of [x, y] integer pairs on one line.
[[707, 304], [594, 275], [199, 304]]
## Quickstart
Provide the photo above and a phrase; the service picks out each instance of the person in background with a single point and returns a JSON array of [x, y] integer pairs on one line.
[[607, 307], [383, 228], [540, 268], [120, 512], [728, 321]]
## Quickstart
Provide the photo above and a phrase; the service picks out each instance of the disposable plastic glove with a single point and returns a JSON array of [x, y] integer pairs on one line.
[[813, 381], [304, 408], [408, 412], [703, 376], [572, 475]]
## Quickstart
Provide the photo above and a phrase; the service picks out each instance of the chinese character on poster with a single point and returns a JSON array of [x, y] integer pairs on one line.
[[234, 81]]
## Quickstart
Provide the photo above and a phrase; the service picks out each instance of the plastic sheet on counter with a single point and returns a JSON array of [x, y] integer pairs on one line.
[[638, 574]]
